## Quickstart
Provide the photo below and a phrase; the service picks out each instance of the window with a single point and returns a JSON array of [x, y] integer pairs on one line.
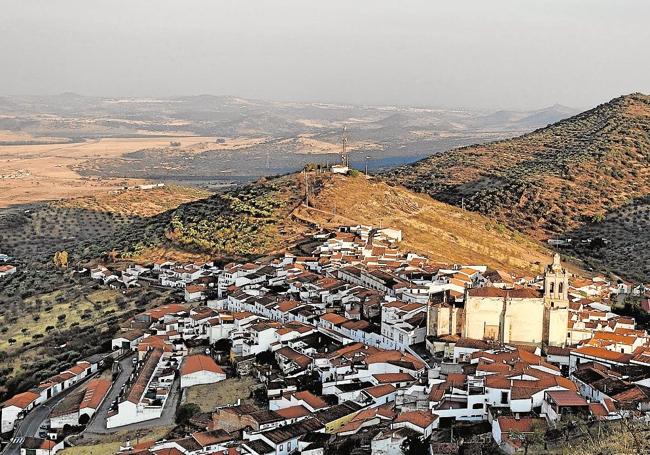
[[504, 397], [561, 288], [552, 287], [289, 446], [281, 447]]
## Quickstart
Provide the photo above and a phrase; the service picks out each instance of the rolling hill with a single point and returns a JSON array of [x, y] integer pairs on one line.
[[582, 178], [269, 216]]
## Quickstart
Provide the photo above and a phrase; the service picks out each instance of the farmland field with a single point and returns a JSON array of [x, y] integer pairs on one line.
[[32, 173]]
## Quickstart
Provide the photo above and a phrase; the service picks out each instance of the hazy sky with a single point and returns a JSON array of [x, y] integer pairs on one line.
[[470, 53]]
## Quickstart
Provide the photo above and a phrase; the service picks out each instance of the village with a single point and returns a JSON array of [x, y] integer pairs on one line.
[[359, 347]]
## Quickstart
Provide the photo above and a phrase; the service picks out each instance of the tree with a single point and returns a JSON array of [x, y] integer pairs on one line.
[[84, 419], [186, 412], [530, 439], [61, 259], [108, 362], [414, 445]]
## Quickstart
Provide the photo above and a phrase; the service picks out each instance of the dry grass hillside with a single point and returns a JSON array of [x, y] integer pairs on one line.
[[88, 225], [442, 232], [554, 181], [136, 202], [262, 218]]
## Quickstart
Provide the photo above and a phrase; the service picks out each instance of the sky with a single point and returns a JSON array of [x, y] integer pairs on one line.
[[511, 54]]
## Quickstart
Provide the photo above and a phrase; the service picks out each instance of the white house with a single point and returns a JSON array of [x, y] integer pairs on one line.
[[424, 422], [16, 406], [200, 369], [37, 446], [127, 340], [6, 270]]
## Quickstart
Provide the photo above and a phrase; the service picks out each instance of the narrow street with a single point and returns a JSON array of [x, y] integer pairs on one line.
[[98, 422], [29, 426]]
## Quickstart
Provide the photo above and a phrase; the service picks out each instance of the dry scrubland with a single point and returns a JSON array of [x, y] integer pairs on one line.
[[142, 203], [48, 170], [269, 216], [584, 177], [74, 311], [110, 444], [93, 221], [442, 232], [210, 396]]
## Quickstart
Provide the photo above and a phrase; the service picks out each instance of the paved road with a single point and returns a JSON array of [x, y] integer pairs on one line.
[[98, 423], [30, 425]]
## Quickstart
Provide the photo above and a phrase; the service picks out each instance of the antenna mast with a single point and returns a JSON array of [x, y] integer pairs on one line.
[[344, 153]]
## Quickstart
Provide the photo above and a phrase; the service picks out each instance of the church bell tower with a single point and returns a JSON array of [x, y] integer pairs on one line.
[[556, 285]]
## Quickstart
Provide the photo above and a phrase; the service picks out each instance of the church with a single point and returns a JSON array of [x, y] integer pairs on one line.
[[527, 315]]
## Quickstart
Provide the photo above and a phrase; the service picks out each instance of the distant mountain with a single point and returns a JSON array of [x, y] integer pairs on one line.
[[524, 120], [585, 176]]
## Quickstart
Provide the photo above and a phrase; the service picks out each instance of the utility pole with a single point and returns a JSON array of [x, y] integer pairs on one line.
[[306, 188], [367, 158], [344, 156]]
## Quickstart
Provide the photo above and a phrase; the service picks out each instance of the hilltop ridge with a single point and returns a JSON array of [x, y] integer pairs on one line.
[[555, 181], [269, 217]]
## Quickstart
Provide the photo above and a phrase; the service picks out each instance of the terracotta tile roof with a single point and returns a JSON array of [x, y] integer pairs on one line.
[[567, 398], [312, 400], [79, 368], [598, 410], [601, 353], [395, 357], [96, 391], [22, 400], [384, 412], [384, 378], [634, 394], [293, 412], [131, 335], [199, 362], [193, 288], [168, 451], [159, 342], [296, 357], [522, 425], [456, 379], [333, 318], [523, 293], [138, 387], [288, 305], [380, 390], [420, 419], [207, 438], [162, 311], [38, 443]]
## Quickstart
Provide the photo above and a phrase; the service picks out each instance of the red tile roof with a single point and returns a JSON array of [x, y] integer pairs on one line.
[[199, 362], [384, 378], [420, 419], [567, 398], [96, 391], [293, 412], [380, 390], [22, 400]]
